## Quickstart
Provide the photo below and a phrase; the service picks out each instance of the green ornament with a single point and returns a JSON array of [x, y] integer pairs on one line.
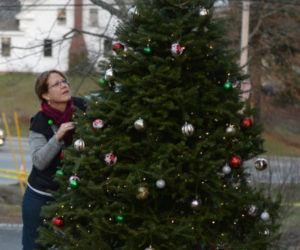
[[74, 184], [50, 122], [119, 218], [147, 50], [102, 81], [227, 85], [60, 172]]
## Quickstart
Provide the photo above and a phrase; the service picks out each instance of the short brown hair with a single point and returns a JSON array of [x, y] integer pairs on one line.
[[41, 83]]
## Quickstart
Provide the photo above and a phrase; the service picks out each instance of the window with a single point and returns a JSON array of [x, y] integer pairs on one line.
[[61, 16], [93, 17], [107, 47], [47, 48], [5, 45]]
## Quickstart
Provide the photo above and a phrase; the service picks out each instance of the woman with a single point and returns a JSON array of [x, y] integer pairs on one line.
[[51, 131]]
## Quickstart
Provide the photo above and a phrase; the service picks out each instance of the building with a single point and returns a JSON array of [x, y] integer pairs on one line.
[[38, 35]]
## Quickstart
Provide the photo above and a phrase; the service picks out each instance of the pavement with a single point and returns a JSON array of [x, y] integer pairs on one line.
[[10, 236]]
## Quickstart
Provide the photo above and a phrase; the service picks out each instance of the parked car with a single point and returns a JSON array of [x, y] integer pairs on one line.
[[2, 137]]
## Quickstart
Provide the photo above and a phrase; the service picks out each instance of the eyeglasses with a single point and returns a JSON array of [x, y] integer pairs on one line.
[[59, 84]]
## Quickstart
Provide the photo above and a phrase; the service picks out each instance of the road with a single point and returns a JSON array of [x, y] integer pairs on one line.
[[7, 161], [10, 237]]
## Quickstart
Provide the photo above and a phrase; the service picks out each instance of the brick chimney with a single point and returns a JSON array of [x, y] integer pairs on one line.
[[78, 47]]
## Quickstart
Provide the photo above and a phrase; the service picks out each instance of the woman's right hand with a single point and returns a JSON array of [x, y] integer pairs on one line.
[[63, 129]]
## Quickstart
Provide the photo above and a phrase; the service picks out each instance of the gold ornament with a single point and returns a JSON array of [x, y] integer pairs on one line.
[[143, 193], [79, 145]]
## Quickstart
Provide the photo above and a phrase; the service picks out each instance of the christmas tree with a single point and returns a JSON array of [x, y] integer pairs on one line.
[[157, 161]]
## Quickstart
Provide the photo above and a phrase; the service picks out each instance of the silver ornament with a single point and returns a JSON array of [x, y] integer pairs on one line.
[[176, 49], [110, 159], [109, 75], [196, 204], [261, 164], [160, 183], [98, 124], [79, 145], [187, 129], [265, 216], [252, 210], [230, 129], [132, 12], [226, 169], [139, 124], [74, 178], [143, 193], [203, 12], [266, 232], [149, 248]]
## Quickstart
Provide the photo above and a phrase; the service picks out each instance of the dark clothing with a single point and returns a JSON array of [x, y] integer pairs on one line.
[[43, 179], [31, 208]]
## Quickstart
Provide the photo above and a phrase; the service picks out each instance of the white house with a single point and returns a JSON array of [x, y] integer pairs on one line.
[[38, 35]]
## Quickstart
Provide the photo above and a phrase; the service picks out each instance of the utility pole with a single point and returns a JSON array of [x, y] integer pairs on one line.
[[245, 36], [246, 84]]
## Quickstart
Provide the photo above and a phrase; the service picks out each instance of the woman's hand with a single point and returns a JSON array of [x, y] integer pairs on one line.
[[63, 129]]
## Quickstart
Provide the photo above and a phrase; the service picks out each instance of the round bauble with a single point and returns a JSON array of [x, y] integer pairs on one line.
[[98, 124], [246, 123], [261, 164], [109, 75], [79, 145], [235, 162], [226, 169], [143, 193], [266, 232], [196, 204], [265, 216], [118, 47], [187, 129], [132, 12], [58, 221], [160, 183], [147, 50], [74, 181], [60, 172], [139, 124], [230, 129], [119, 218], [149, 248], [176, 49], [227, 85], [203, 12], [110, 159], [252, 210]]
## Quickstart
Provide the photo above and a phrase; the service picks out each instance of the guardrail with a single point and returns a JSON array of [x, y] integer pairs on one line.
[[20, 173]]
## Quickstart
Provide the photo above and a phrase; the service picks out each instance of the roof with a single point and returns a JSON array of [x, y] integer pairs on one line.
[[8, 11]]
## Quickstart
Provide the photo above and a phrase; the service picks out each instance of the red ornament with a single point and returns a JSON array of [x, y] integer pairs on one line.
[[110, 159], [246, 122], [61, 155], [117, 46], [58, 221], [176, 49], [235, 162], [42, 111]]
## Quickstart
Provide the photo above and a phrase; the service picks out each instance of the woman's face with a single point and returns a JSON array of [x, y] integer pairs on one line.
[[58, 89]]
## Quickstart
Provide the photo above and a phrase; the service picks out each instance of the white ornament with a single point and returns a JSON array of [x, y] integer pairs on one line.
[[110, 159], [230, 129], [226, 169], [187, 129], [109, 75], [203, 12], [149, 248], [176, 49], [132, 12], [160, 183], [252, 210], [139, 124], [265, 216], [196, 204], [97, 124], [74, 178]]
